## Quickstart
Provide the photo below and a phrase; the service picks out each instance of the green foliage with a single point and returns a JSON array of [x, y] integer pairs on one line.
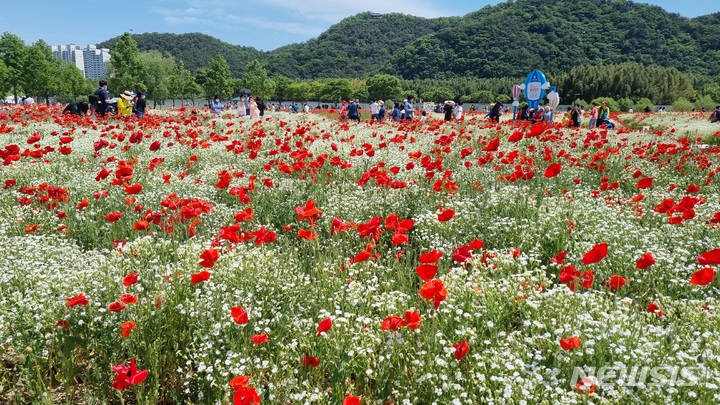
[[682, 104], [71, 83], [611, 103], [713, 92], [503, 98], [441, 94], [181, 84], [625, 104], [157, 75], [298, 92], [40, 70], [705, 102], [257, 81], [12, 54], [216, 79], [642, 103], [383, 87], [362, 95], [125, 69], [336, 90]]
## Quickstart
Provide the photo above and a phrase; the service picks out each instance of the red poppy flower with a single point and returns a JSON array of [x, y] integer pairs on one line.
[[130, 279], [84, 203], [412, 319], [434, 290], [240, 382], [446, 215], [245, 215], [570, 343], [116, 307], [246, 396], [128, 376], [263, 236], [114, 217], [128, 299], [709, 258], [199, 277], [79, 300], [596, 254], [692, 189], [309, 361], [559, 258], [427, 271], [492, 145], [645, 261], [645, 183], [209, 257], [362, 256], [587, 278], [307, 234], [476, 244], [351, 400], [324, 326], [616, 282], [431, 257], [259, 338], [134, 189], [586, 386], [127, 328], [461, 350], [239, 315], [703, 277], [568, 274], [553, 170], [141, 225], [392, 322], [653, 308]]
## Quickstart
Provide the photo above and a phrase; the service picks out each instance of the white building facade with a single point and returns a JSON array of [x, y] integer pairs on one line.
[[91, 60]]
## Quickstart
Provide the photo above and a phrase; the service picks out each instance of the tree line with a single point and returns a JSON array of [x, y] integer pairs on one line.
[[32, 70]]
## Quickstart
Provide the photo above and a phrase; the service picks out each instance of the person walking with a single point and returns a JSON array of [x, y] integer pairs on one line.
[[343, 111], [374, 109], [140, 105]]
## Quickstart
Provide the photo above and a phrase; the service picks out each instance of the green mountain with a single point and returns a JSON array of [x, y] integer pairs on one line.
[[505, 40]]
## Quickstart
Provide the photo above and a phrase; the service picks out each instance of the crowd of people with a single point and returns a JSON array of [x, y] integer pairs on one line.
[[125, 105]]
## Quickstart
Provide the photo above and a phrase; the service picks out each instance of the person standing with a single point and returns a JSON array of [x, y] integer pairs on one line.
[[381, 111], [103, 99], [575, 116], [140, 105], [374, 109], [246, 103], [409, 107], [396, 112], [458, 111], [448, 109], [261, 106], [343, 111], [353, 113], [593, 116], [306, 108], [216, 106], [254, 110], [603, 113]]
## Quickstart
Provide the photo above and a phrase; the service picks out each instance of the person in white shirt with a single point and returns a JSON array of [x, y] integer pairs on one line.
[[374, 110], [458, 111], [306, 108]]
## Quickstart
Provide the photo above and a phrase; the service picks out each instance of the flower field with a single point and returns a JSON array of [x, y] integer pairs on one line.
[[189, 259]]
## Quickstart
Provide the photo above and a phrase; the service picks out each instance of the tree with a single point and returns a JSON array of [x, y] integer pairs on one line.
[[705, 102], [713, 92], [298, 92], [157, 75], [441, 94], [335, 90], [40, 70], [215, 79], [71, 83], [126, 70], [181, 84], [383, 87], [12, 54], [503, 98], [257, 81], [281, 84], [4, 81]]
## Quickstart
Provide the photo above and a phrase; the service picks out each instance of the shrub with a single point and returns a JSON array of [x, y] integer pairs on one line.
[[682, 104], [625, 104], [642, 103]]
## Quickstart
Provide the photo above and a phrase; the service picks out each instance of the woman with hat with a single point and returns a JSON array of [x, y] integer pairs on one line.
[[124, 103]]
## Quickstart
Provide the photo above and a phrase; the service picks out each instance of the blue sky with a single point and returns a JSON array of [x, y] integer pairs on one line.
[[263, 24]]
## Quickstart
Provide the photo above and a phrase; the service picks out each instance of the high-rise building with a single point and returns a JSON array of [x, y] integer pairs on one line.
[[91, 60]]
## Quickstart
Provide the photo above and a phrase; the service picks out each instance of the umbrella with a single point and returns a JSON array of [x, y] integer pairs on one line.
[[244, 92], [449, 102]]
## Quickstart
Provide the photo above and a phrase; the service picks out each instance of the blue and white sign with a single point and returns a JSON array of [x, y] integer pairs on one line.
[[534, 88]]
